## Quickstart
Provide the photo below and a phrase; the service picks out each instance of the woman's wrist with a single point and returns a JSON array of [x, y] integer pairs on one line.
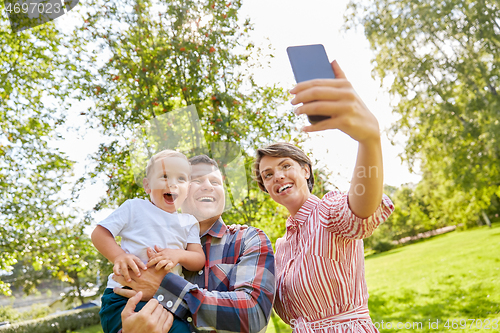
[[372, 141]]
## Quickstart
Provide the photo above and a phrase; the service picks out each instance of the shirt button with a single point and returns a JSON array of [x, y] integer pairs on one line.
[[189, 319], [160, 298], [200, 272], [169, 304]]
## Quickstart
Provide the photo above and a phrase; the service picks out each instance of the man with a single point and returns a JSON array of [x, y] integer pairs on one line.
[[235, 290]]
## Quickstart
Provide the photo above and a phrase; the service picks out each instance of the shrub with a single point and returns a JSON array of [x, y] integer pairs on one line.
[[7, 313], [61, 323], [382, 246], [36, 311]]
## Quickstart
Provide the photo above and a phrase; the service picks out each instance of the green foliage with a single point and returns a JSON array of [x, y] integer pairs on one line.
[[442, 62], [56, 323], [171, 54], [420, 208], [7, 313], [410, 217], [35, 219], [383, 245], [25, 276], [162, 55], [75, 263]]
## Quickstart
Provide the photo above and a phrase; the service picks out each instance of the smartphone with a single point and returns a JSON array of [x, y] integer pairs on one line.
[[310, 62]]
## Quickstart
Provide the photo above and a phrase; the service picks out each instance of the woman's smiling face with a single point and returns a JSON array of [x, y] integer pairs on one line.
[[286, 181]]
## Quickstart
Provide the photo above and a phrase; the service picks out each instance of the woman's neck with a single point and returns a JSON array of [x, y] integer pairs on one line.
[[296, 207]]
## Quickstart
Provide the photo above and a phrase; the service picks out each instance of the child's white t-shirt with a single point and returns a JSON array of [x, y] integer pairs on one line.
[[141, 225]]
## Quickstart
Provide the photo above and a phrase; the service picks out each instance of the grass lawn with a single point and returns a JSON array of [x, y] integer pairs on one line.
[[454, 276]]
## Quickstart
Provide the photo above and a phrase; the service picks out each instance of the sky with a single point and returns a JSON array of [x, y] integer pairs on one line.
[[295, 22], [281, 24]]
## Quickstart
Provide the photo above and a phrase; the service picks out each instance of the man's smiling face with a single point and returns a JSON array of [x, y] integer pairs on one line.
[[206, 199]]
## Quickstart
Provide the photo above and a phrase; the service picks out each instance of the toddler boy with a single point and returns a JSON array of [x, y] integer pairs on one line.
[[145, 223]]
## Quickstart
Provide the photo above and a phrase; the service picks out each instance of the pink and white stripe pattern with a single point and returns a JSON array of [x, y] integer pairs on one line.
[[320, 266]]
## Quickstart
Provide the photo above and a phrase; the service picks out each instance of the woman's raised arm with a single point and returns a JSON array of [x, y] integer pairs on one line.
[[336, 98]]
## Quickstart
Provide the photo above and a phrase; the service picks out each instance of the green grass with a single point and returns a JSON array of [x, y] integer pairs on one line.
[[276, 325], [455, 276]]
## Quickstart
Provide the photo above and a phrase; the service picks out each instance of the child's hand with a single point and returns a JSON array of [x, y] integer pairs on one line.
[[124, 261], [165, 258], [233, 228]]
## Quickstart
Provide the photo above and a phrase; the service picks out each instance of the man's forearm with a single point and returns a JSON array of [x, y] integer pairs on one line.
[[240, 291], [246, 309]]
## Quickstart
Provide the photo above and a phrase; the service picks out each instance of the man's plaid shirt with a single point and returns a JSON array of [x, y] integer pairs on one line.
[[235, 290]]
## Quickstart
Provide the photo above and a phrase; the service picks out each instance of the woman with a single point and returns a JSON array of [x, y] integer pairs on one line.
[[319, 261]]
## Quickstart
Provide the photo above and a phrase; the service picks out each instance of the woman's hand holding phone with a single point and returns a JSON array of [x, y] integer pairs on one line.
[[336, 99], [310, 62]]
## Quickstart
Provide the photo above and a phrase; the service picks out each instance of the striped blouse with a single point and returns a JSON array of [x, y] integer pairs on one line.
[[320, 272]]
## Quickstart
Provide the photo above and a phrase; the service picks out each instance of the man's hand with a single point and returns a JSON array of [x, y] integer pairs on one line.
[[152, 318], [148, 283]]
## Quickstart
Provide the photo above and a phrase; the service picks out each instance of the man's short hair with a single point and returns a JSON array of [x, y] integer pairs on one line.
[[162, 154], [203, 159]]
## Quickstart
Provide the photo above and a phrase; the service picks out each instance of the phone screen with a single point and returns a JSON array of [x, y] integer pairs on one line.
[[310, 62]]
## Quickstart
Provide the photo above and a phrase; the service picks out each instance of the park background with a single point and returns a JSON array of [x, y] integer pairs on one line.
[[71, 91]]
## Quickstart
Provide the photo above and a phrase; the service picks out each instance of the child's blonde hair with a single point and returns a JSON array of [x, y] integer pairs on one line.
[[162, 154]]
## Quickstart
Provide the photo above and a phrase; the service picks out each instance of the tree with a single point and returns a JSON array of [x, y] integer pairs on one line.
[[162, 55], [171, 54], [77, 262], [33, 213], [444, 62], [72, 260]]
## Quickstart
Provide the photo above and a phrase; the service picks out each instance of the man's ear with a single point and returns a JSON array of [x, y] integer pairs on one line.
[[145, 183]]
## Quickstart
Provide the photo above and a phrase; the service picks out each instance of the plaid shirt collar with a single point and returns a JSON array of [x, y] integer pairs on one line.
[[218, 229]]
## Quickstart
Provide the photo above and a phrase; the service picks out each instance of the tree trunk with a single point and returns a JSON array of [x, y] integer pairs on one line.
[[486, 219], [78, 287]]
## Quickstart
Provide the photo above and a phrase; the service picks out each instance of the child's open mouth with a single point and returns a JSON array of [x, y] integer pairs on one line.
[[170, 197]]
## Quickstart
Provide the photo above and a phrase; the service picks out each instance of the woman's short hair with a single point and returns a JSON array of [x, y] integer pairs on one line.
[[162, 154], [282, 149]]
